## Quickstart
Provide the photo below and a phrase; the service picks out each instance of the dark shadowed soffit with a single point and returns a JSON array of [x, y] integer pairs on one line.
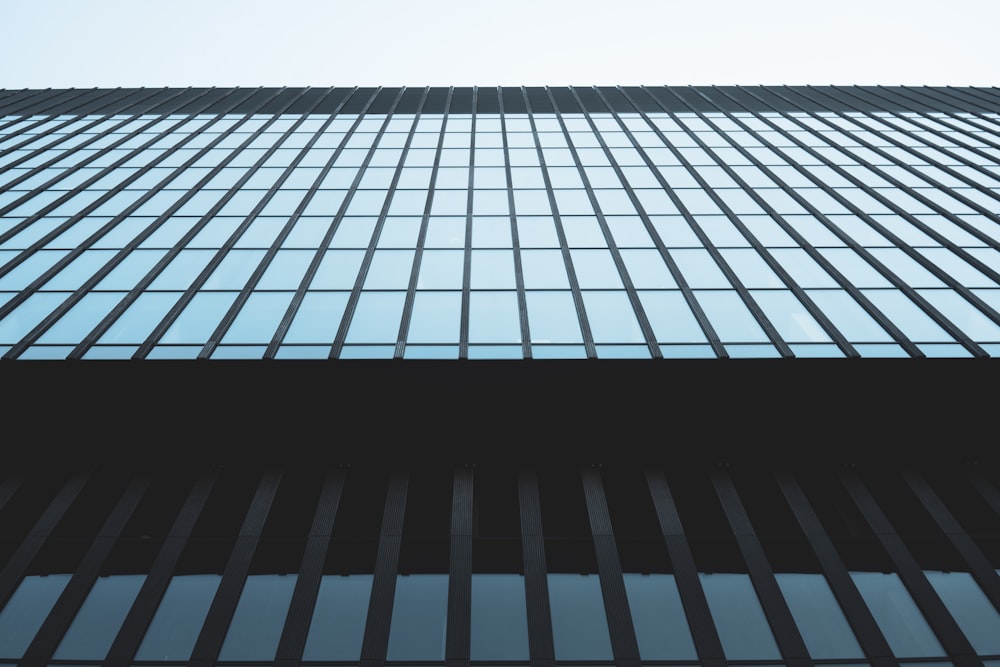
[[482, 411]]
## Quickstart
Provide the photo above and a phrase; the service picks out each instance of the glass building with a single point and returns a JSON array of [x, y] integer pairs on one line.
[[483, 377]]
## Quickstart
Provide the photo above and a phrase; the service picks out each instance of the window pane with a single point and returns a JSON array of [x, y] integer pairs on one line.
[[178, 619], [904, 627], [579, 625], [338, 621], [259, 618], [96, 624], [738, 617], [26, 611], [417, 629], [660, 624], [820, 619], [499, 617]]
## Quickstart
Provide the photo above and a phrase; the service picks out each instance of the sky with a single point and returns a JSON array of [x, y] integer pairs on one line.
[[132, 43]]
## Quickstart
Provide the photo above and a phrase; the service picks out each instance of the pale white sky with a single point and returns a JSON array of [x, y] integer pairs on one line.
[[107, 43]]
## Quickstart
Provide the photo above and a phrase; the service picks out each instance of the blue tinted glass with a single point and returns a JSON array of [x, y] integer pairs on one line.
[[552, 318], [544, 269], [595, 269], [259, 618], [904, 627], [579, 625], [97, 623], [492, 269], [317, 318], [338, 621], [178, 619], [234, 270], [26, 610], [81, 318], [258, 318], [139, 318], [612, 318], [441, 269], [198, 320], [970, 607], [338, 269], [820, 619], [376, 318], [417, 628], [499, 617], [285, 270], [435, 318], [911, 319], [793, 322], [494, 318], [647, 269], [730, 317], [671, 317], [738, 617], [658, 617], [389, 269], [26, 316]]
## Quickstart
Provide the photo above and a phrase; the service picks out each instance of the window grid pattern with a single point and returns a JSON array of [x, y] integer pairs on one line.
[[629, 602], [519, 223]]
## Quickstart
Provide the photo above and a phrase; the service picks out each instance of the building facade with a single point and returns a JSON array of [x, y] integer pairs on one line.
[[500, 376]]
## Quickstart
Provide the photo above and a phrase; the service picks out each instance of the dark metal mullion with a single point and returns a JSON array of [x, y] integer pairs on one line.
[[699, 314], [48, 637], [624, 646], [942, 275], [841, 341], [986, 490], [220, 613], [779, 616], [901, 285], [459, 633], [182, 302], [140, 615], [380, 222], [734, 280], [933, 609], [17, 565], [463, 333], [76, 132], [74, 219], [169, 256], [244, 294], [979, 565], [640, 313], [418, 254], [846, 285], [375, 643], [35, 124], [136, 152], [108, 266], [938, 208], [522, 302], [82, 164], [958, 125], [699, 616], [933, 130], [941, 99], [33, 108], [574, 284], [301, 291], [23, 99], [857, 613], [990, 106], [540, 642], [310, 575]]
